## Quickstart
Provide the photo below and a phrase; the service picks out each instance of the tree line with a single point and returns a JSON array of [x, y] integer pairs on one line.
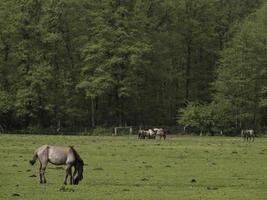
[[89, 63]]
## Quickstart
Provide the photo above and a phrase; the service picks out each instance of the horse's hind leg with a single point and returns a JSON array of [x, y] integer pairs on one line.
[[42, 173], [43, 170]]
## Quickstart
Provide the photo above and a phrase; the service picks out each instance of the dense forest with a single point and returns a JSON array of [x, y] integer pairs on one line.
[[79, 64]]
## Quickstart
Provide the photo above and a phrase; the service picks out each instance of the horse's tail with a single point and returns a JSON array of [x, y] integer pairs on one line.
[[34, 158]]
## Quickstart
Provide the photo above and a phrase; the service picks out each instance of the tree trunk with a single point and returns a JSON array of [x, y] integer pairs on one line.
[[93, 112], [119, 109], [188, 72]]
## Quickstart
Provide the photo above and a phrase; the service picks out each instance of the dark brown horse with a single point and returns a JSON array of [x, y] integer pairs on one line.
[[58, 155]]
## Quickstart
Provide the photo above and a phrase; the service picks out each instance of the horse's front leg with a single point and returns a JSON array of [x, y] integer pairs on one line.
[[71, 177], [67, 174], [75, 172]]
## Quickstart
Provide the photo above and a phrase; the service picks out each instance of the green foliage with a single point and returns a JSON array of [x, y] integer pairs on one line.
[[124, 62], [196, 116], [6, 102], [113, 53], [263, 102], [241, 78]]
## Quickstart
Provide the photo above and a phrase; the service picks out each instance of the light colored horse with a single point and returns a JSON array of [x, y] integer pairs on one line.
[[160, 132], [248, 135], [59, 155], [151, 134]]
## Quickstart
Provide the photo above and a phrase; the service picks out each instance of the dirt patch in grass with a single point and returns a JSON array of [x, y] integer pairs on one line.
[[98, 169]]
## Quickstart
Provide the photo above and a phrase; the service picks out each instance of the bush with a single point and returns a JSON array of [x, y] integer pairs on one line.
[[197, 116]]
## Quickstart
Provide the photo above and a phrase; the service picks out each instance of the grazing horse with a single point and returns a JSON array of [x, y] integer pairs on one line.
[[248, 135], [58, 155], [151, 134], [143, 134], [161, 132]]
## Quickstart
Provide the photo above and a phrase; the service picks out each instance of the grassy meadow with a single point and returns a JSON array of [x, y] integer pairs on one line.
[[122, 168]]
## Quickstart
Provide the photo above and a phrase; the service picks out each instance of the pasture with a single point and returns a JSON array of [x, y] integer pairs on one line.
[[116, 168]]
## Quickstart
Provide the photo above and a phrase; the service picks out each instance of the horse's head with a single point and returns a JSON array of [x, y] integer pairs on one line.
[[78, 176]]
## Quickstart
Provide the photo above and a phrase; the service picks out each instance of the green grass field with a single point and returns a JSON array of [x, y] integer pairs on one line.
[[121, 168]]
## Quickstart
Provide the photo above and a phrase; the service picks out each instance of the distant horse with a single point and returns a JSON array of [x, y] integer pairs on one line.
[[58, 155], [151, 134], [142, 134], [162, 133], [248, 135]]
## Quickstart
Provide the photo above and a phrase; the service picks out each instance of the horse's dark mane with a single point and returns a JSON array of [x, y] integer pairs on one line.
[[77, 156]]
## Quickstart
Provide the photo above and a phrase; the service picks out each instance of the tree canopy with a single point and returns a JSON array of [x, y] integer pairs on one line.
[[87, 63]]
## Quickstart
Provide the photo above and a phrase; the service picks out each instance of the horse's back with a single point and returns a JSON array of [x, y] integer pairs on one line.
[[57, 155], [60, 155]]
